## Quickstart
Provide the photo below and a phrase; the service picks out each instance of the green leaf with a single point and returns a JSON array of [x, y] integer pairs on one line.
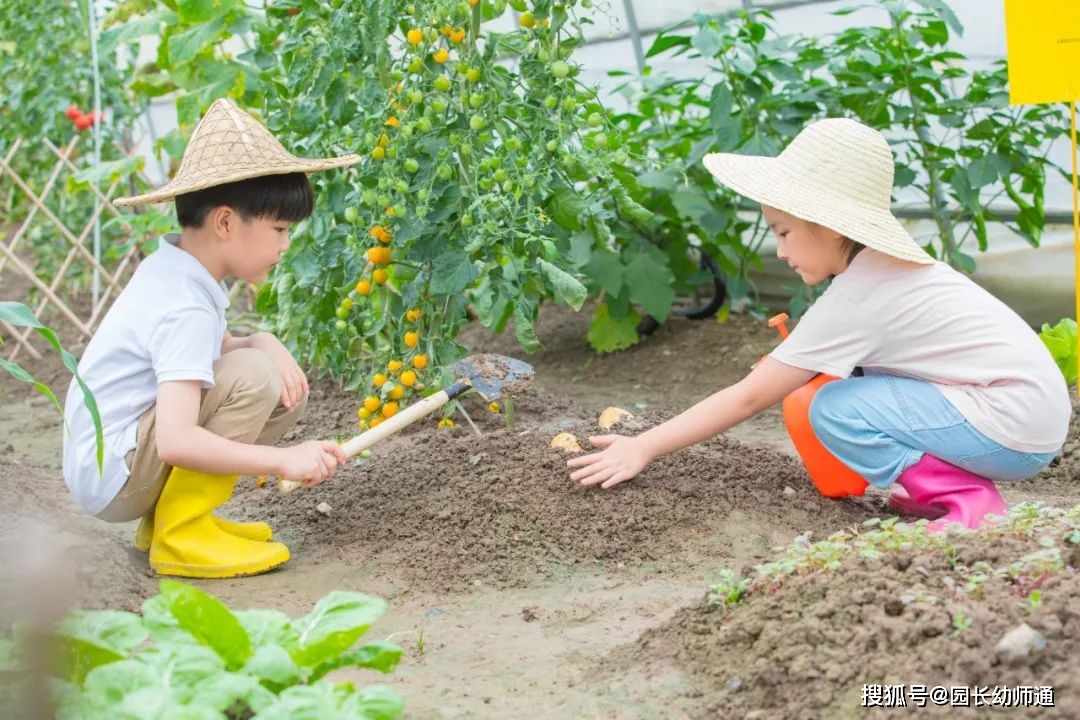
[[108, 171], [108, 685], [981, 172], [664, 43], [374, 702], [202, 11], [452, 272], [209, 621], [607, 334], [19, 315], [267, 626], [337, 621], [650, 281], [184, 47], [182, 667], [116, 630], [74, 658], [658, 180], [1061, 341], [303, 702], [525, 325], [381, 656], [706, 42], [566, 288], [138, 27], [566, 208], [605, 268], [225, 690], [273, 663], [691, 204]]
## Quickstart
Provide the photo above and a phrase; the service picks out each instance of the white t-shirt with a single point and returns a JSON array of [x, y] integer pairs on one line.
[[166, 325], [932, 323]]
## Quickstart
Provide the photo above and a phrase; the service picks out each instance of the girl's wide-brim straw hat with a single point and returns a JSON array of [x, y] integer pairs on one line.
[[837, 173], [230, 145]]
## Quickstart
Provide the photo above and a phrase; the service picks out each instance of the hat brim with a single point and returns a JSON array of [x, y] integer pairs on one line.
[[170, 190], [768, 181]]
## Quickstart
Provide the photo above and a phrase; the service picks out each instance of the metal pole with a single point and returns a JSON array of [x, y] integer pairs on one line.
[[91, 13], [635, 35]]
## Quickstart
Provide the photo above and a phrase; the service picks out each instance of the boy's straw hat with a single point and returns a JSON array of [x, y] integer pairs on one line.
[[229, 145], [837, 173]]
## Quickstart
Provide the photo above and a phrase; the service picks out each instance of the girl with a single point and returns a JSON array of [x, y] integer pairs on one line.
[[956, 393]]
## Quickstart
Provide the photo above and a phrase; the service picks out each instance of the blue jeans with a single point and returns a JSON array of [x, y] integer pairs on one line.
[[880, 425]]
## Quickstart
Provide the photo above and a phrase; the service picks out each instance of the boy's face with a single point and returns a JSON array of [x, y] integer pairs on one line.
[[258, 245], [811, 250]]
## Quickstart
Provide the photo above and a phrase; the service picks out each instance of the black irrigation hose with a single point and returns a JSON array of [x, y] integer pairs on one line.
[[649, 324]]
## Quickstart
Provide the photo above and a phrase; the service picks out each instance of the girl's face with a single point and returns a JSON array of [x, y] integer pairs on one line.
[[812, 250]]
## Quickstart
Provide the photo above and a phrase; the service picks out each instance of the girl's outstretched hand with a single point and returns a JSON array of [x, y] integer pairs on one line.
[[622, 458]]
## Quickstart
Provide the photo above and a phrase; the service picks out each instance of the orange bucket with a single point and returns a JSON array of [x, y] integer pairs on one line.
[[833, 478]]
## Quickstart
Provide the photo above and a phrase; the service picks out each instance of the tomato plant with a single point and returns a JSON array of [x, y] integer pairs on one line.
[[470, 202]]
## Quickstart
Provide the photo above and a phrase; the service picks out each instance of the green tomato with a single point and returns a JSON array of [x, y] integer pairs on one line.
[[513, 143], [476, 100], [396, 211], [568, 104], [411, 165], [500, 175], [442, 83], [423, 125], [347, 303], [439, 105], [552, 145], [422, 194], [465, 150], [473, 75], [466, 220], [621, 158], [445, 173], [477, 122], [369, 197], [486, 183], [560, 69], [342, 312], [341, 325], [484, 137], [528, 181], [401, 186], [351, 214], [600, 140], [543, 55], [551, 102], [416, 97], [391, 152], [595, 119], [416, 65], [384, 200], [586, 4], [406, 131]]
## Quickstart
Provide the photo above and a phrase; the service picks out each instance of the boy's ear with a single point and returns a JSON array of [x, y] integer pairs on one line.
[[222, 220]]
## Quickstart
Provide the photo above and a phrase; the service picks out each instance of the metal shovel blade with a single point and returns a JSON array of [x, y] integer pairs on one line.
[[494, 375]]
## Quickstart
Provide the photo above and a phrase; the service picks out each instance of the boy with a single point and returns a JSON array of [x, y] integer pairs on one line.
[[185, 406]]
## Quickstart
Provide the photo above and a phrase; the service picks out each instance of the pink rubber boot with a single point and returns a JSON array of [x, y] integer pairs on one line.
[[966, 497]]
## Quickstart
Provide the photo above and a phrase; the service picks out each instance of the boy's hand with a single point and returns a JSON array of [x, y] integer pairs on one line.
[[623, 458], [294, 382], [311, 462]]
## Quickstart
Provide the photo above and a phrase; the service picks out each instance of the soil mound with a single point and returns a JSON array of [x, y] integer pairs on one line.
[[55, 556], [458, 509], [931, 616]]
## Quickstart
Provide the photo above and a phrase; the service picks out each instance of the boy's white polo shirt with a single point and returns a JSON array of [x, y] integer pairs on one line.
[[166, 325]]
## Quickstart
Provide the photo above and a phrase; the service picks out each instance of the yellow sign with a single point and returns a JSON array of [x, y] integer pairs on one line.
[[1043, 45]]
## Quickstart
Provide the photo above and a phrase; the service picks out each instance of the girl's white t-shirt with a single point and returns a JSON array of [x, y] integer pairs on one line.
[[932, 323]]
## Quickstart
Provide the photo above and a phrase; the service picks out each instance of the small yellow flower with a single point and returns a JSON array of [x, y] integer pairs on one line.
[[446, 423], [494, 407]]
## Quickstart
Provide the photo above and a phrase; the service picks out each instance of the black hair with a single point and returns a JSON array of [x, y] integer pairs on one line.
[[274, 197], [852, 248]]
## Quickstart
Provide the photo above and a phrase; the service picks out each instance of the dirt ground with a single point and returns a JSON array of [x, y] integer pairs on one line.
[[515, 593]]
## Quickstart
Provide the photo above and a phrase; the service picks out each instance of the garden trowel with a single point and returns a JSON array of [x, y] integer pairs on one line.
[[492, 376]]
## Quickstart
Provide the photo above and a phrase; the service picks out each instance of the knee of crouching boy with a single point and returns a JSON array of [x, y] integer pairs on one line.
[[824, 418], [251, 370]]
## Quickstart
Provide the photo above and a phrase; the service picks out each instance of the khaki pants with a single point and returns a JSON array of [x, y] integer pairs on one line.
[[244, 405]]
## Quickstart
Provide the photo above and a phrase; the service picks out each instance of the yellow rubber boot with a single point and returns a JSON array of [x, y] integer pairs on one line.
[[187, 540], [258, 531]]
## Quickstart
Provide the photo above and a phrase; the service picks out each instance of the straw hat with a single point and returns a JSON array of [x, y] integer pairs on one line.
[[229, 145], [837, 173]]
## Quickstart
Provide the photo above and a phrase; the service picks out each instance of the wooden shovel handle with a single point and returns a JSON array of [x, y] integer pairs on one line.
[[391, 425]]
